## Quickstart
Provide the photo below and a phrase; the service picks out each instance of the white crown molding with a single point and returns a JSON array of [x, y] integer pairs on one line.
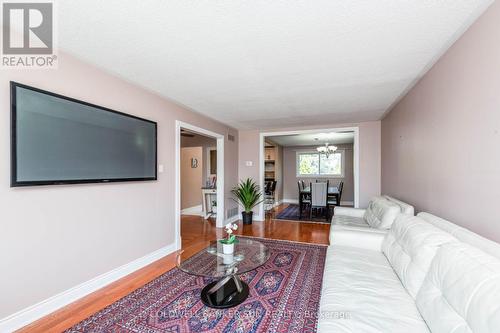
[[45, 307]]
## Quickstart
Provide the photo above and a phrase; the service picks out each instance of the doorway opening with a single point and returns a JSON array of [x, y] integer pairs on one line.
[[199, 176], [294, 158]]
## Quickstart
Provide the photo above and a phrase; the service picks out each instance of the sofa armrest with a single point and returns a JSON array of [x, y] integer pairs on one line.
[[368, 239], [347, 211]]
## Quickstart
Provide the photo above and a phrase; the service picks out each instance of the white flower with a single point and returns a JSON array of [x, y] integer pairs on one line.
[[228, 226], [229, 231], [235, 226]]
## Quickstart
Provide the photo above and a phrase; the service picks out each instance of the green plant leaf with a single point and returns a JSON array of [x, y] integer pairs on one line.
[[232, 240], [247, 194]]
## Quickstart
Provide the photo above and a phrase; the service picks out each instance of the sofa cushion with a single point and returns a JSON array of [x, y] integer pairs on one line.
[[381, 213], [360, 237], [361, 293], [405, 208], [461, 292], [463, 235], [349, 211], [410, 246], [350, 221]]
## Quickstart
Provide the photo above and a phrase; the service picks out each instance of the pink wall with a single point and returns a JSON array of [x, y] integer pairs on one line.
[[55, 237], [204, 142], [191, 178], [441, 143], [369, 159]]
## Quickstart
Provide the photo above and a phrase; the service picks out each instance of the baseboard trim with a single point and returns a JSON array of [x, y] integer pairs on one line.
[[195, 210], [232, 219], [45, 307], [291, 201]]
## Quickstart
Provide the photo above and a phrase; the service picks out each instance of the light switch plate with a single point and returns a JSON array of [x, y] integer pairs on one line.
[[160, 168], [249, 163]]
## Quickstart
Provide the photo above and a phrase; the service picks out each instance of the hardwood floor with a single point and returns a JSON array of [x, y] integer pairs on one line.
[[196, 233]]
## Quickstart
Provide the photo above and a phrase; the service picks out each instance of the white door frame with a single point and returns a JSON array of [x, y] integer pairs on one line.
[[220, 175], [312, 131]]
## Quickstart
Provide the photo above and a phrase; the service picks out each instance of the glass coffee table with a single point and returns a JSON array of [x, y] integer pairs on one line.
[[228, 290]]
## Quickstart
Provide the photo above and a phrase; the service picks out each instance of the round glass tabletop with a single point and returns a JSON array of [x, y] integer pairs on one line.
[[211, 262]]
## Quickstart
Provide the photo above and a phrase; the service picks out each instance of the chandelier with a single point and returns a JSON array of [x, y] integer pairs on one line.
[[326, 149]]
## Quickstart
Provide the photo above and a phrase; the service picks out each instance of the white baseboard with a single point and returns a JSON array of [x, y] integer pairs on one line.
[[195, 210], [45, 307], [232, 219], [291, 201]]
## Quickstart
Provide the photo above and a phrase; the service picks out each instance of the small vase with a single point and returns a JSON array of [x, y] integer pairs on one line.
[[227, 248], [247, 217], [227, 259]]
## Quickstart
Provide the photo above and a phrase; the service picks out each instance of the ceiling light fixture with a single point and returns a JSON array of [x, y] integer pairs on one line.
[[326, 149]]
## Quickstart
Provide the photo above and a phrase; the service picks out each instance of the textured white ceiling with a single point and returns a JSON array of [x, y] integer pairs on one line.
[[312, 139], [262, 63]]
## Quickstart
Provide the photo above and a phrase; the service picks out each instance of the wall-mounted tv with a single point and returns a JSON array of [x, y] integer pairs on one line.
[[60, 140]]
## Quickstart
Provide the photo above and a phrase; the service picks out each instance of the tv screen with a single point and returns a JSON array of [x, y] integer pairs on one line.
[[60, 140]]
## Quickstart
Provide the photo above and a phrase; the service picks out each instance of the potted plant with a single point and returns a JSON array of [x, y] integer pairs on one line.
[[230, 239], [248, 195]]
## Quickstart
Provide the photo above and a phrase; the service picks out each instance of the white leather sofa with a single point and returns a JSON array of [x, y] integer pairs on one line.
[[350, 224], [426, 275]]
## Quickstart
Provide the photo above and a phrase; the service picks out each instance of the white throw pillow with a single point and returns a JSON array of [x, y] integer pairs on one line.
[[410, 246], [461, 292], [381, 213]]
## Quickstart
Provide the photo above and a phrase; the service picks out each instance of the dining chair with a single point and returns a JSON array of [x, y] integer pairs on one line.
[[341, 189], [319, 194], [269, 195], [267, 206], [304, 199], [334, 200], [300, 185]]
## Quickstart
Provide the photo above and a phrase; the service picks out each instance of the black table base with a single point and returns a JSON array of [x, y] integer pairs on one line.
[[225, 293]]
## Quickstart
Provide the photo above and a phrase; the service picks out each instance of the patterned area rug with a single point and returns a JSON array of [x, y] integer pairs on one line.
[[284, 297], [292, 213]]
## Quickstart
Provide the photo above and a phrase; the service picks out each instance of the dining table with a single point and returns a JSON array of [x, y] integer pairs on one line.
[[333, 191]]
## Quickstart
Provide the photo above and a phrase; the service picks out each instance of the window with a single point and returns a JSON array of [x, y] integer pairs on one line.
[[314, 164]]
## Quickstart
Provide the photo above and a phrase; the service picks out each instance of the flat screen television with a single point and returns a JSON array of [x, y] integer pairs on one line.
[[60, 140]]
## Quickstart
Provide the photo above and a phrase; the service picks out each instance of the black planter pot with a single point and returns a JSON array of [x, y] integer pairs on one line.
[[247, 217]]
